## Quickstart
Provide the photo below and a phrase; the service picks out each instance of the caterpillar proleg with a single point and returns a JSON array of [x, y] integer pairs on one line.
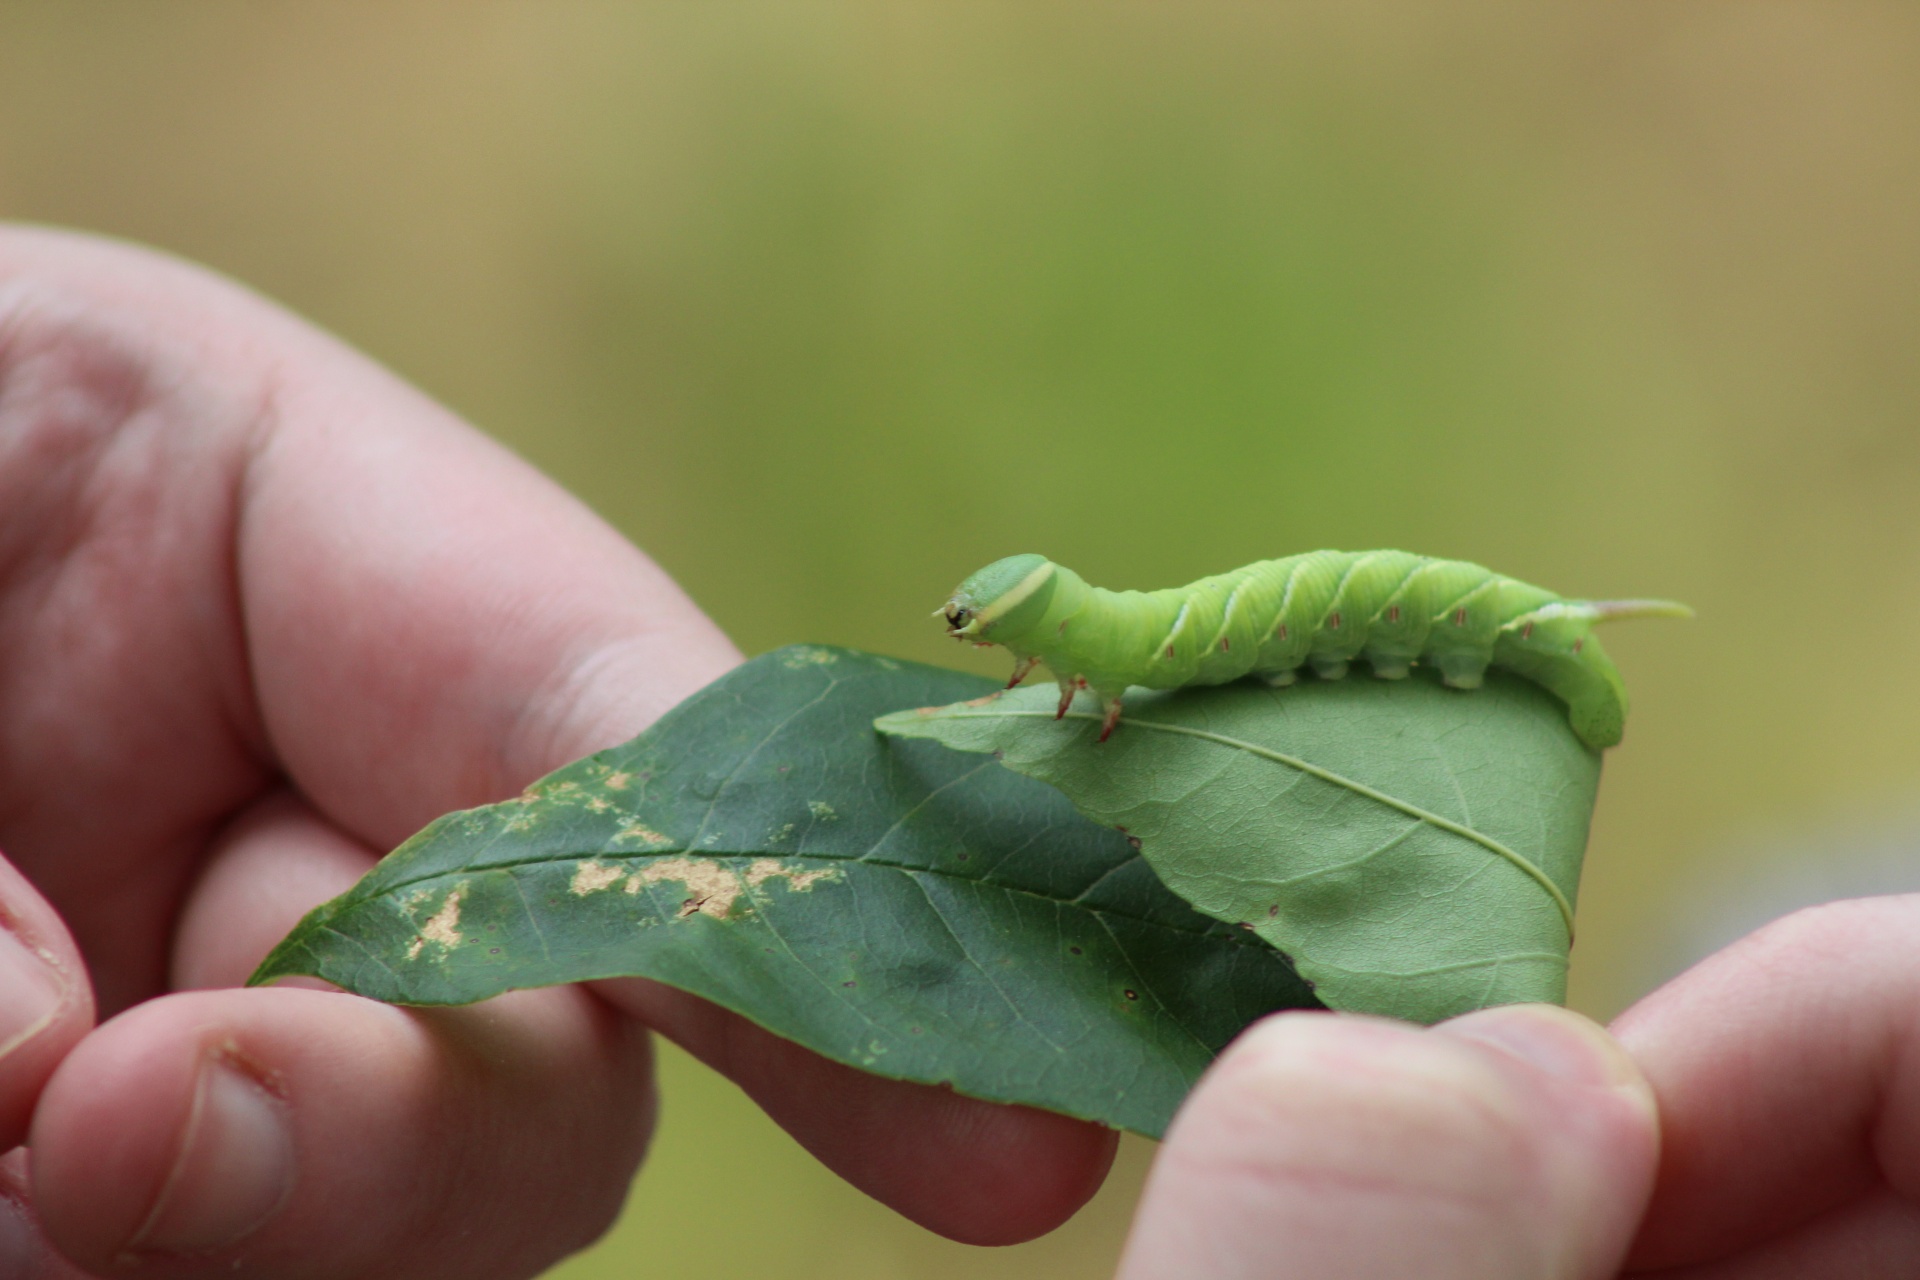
[[1321, 610]]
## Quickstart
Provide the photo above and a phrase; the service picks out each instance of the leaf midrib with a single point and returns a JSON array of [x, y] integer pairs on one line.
[[904, 867]]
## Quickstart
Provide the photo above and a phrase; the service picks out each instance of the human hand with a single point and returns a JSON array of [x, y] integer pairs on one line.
[[264, 612], [1520, 1142]]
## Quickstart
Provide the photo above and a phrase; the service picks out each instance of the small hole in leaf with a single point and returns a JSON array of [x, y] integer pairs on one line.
[[1131, 994], [1075, 950]]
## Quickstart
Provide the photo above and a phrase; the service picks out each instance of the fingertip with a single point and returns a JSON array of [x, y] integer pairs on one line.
[[1325, 1144], [1564, 1046], [46, 1002], [299, 1134], [105, 1133], [982, 1173], [1004, 1174]]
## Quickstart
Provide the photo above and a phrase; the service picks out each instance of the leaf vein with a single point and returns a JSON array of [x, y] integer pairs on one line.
[[1480, 838]]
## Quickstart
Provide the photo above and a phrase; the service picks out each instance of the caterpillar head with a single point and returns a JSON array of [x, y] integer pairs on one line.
[[1002, 601]]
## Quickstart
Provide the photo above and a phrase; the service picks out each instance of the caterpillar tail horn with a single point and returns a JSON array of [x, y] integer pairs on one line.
[[1608, 610]]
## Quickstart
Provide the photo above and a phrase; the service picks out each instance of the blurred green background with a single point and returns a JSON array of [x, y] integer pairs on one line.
[[827, 304]]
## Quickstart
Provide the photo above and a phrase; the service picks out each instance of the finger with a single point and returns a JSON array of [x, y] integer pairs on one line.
[[309, 1134], [1788, 1073], [1874, 1238], [25, 1253], [46, 1005], [276, 861], [977, 1172], [1515, 1142]]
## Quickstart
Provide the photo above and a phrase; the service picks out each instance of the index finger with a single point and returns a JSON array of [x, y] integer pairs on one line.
[[1789, 1086], [401, 578]]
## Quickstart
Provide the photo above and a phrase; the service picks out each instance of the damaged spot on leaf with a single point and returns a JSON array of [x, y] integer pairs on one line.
[[640, 833], [713, 887], [443, 929], [593, 876], [765, 869]]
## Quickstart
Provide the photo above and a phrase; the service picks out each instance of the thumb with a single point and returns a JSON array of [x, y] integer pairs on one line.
[[1512, 1142]]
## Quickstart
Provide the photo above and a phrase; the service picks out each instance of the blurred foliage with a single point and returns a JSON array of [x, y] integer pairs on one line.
[[826, 304]]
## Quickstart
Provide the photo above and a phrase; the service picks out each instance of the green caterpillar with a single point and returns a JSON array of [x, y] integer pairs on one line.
[[1319, 610]]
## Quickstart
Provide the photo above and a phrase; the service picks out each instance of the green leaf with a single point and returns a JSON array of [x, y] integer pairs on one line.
[[893, 905], [1415, 849]]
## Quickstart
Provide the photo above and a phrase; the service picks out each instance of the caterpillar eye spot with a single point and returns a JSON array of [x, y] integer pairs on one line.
[[1393, 613], [1333, 621], [1459, 617], [1224, 645]]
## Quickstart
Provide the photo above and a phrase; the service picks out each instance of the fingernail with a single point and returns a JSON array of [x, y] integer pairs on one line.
[[233, 1172], [31, 992], [1558, 1041]]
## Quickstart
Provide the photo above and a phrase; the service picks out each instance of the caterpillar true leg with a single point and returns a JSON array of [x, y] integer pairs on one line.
[[1113, 718], [1022, 668], [1067, 688]]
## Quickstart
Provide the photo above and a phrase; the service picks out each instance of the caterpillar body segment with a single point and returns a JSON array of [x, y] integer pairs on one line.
[[1323, 611]]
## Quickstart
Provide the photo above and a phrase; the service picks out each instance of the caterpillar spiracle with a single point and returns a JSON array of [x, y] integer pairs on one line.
[[1320, 610]]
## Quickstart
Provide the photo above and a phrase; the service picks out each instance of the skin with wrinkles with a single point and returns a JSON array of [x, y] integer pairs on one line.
[[1320, 610]]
